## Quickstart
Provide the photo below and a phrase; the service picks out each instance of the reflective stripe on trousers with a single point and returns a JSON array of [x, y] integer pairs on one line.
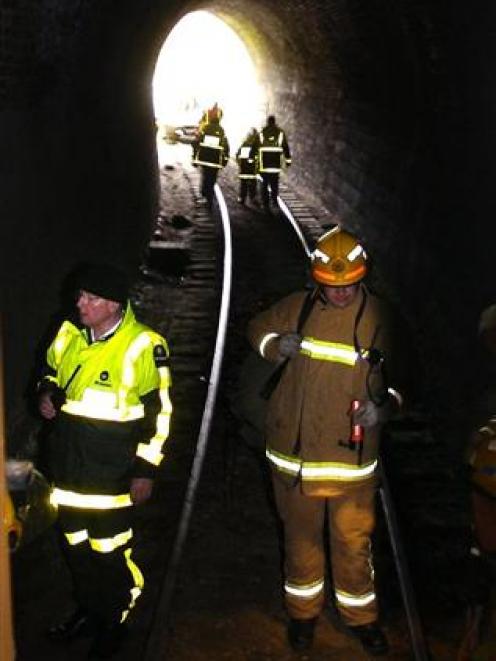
[[351, 520], [106, 579]]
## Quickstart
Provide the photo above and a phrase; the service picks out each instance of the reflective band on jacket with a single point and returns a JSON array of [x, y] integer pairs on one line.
[[334, 352], [270, 150], [320, 470], [61, 341], [89, 501], [101, 406], [394, 393], [304, 591], [265, 340], [152, 451], [355, 601]]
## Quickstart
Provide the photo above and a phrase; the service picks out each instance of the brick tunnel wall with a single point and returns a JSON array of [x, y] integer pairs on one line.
[[388, 105]]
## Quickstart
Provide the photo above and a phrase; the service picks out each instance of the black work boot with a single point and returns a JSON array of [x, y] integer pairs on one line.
[[371, 637], [300, 634], [79, 624]]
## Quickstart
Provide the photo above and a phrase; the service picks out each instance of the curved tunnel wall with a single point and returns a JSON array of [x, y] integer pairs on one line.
[[387, 105]]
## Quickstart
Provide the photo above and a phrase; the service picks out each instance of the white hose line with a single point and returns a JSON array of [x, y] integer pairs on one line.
[[285, 209], [162, 611]]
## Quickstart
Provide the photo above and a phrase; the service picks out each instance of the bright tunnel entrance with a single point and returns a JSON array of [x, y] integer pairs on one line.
[[202, 62]]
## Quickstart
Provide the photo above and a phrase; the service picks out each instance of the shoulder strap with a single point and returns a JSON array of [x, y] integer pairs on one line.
[[306, 308], [357, 320]]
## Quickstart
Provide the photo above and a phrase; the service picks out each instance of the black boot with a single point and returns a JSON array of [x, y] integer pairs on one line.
[[300, 633], [79, 624], [371, 637]]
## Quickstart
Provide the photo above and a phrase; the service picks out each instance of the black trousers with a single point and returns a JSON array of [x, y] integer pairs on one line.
[[247, 187], [98, 552], [209, 177], [270, 180]]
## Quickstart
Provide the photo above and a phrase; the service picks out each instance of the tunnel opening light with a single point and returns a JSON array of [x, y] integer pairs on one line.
[[202, 62]]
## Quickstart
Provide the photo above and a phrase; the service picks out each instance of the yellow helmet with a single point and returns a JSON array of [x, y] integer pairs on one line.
[[338, 259]]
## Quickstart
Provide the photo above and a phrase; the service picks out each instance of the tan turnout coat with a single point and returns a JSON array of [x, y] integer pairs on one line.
[[308, 422]]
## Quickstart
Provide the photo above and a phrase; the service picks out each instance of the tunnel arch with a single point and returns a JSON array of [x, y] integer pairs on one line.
[[185, 85], [311, 62], [380, 101]]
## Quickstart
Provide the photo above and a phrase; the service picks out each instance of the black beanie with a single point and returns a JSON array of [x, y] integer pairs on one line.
[[106, 281]]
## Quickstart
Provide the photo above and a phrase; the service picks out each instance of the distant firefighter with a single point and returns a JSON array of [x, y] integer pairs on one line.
[[247, 159], [211, 152], [274, 154]]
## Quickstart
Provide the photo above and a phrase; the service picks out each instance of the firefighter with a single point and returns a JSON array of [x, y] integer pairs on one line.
[[105, 391], [274, 154], [211, 152], [323, 458], [247, 159]]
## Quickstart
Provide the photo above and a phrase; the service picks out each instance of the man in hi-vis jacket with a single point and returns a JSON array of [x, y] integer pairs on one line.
[[322, 433], [105, 389]]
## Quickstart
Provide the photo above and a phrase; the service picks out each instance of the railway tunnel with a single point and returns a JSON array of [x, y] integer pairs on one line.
[[389, 108]]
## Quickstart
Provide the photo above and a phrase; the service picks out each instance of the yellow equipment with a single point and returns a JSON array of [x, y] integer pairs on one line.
[[482, 458], [338, 259], [28, 511], [11, 524]]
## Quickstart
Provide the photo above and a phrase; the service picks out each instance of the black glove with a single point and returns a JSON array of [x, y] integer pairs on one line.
[[289, 345], [367, 415], [58, 397]]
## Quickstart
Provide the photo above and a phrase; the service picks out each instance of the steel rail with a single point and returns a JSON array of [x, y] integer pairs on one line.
[[286, 211], [417, 639], [157, 644]]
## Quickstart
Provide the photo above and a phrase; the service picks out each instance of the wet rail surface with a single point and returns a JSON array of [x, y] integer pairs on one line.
[[227, 601]]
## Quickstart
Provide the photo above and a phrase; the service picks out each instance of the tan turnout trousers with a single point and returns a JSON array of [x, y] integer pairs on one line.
[[351, 520]]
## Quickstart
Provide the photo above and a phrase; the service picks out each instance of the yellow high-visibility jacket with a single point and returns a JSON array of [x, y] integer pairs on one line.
[[115, 416], [308, 422]]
